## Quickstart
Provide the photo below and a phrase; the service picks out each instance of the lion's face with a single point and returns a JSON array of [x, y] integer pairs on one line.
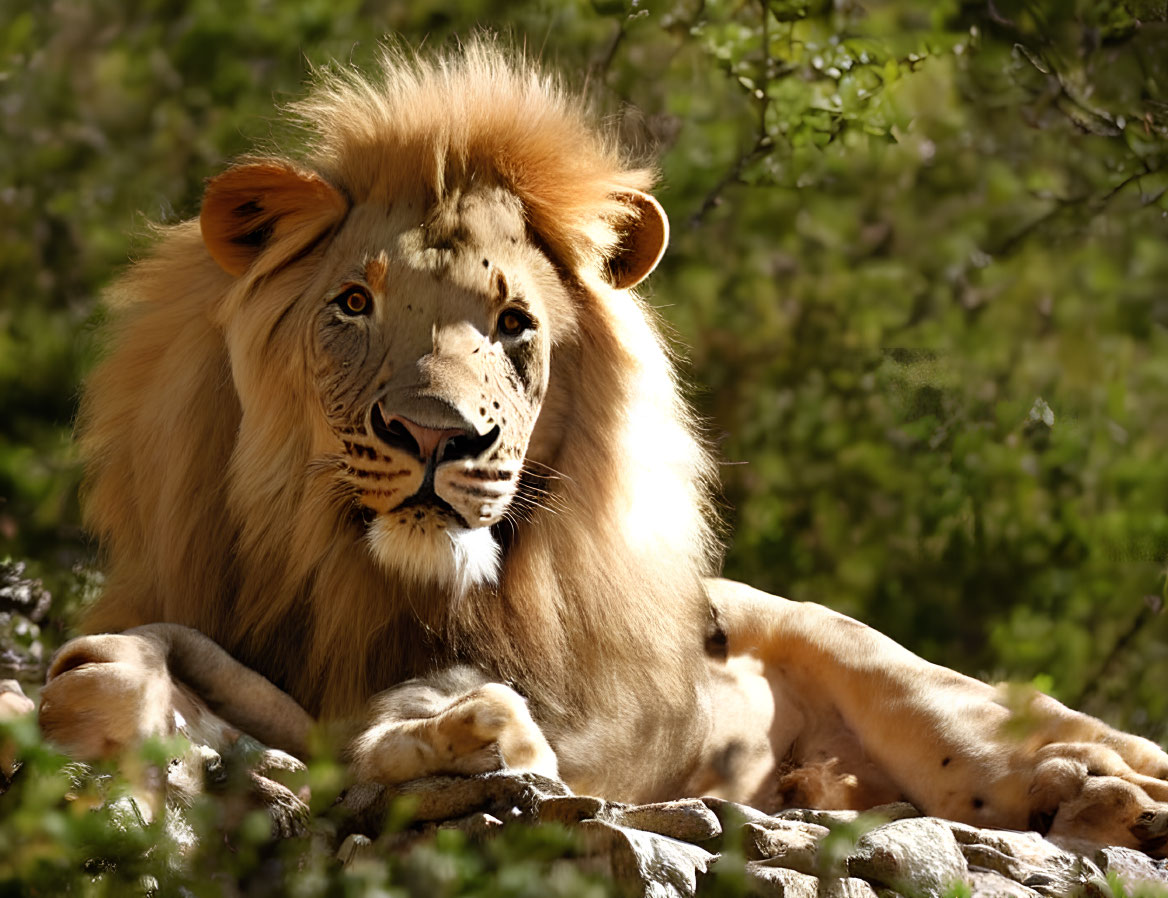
[[427, 328], [431, 340]]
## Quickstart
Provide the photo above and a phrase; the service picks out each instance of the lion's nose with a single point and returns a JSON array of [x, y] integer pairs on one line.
[[439, 443]]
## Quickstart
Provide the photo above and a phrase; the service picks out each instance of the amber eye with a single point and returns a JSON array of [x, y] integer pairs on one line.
[[355, 301], [514, 322]]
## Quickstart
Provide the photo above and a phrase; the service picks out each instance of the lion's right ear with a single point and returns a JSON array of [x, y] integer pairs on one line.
[[253, 206], [642, 240]]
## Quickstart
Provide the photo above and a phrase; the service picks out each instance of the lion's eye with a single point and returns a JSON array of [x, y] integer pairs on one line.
[[355, 301], [514, 322]]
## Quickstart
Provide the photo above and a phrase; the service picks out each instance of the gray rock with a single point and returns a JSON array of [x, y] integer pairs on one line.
[[1026, 858], [731, 812], [569, 809], [988, 884], [689, 820], [439, 798], [823, 818], [478, 825], [786, 843], [355, 847], [779, 882], [643, 863], [845, 887], [1134, 868], [914, 857], [768, 881], [896, 810]]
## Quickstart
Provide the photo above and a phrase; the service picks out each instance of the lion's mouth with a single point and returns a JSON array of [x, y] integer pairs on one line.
[[425, 502]]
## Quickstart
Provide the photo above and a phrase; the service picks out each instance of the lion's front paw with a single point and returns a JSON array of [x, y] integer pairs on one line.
[[494, 721], [105, 694], [488, 728], [1093, 792]]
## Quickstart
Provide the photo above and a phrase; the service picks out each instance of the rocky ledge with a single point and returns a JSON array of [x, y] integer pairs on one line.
[[672, 849]]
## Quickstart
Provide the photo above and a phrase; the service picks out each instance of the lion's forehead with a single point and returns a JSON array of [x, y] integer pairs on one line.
[[451, 240]]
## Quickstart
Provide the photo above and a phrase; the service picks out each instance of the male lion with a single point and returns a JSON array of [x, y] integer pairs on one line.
[[387, 427]]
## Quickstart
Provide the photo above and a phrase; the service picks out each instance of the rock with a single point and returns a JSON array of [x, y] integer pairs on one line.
[[896, 810], [916, 856], [769, 881], [988, 884], [660, 850], [643, 863], [846, 887], [779, 882], [478, 825], [785, 843], [731, 812], [1026, 858], [689, 820], [355, 847], [822, 818], [569, 809], [439, 798], [1134, 868]]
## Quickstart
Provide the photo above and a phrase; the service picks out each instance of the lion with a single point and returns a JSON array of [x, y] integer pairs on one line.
[[387, 439]]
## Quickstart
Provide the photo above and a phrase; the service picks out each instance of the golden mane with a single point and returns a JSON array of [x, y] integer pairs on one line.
[[213, 511]]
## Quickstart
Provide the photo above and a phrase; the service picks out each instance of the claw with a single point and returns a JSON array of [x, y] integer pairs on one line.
[[1151, 826]]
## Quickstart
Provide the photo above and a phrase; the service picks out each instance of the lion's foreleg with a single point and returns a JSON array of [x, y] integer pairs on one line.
[[248, 701], [108, 693]]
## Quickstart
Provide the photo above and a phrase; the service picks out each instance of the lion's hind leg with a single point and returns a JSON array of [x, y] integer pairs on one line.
[[456, 722], [956, 747], [776, 743]]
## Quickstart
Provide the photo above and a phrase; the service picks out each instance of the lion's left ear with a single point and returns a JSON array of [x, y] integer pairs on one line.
[[642, 241], [256, 205]]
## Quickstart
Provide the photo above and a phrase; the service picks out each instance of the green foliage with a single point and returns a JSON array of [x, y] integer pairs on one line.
[[66, 829], [935, 328], [918, 255]]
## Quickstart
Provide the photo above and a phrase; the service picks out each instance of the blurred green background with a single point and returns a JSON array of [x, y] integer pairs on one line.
[[919, 281]]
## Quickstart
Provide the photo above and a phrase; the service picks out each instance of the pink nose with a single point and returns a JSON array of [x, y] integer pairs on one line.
[[437, 444], [429, 439]]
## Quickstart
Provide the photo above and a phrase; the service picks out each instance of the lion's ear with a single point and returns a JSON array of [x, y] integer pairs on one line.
[[642, 241], [257, 204]]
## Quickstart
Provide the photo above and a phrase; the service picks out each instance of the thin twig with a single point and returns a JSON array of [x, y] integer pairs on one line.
[[714, 197], [1095, 204], [1151, 608], [762, 141]]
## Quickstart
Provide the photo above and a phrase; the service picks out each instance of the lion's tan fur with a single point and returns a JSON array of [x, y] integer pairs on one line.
[[204, 486], [442, 123]]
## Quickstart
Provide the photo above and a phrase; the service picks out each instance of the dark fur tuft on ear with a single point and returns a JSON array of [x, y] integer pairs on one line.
[[253, 205]]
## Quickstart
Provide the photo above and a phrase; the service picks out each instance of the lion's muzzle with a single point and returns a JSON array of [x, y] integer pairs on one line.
[[431, 445]]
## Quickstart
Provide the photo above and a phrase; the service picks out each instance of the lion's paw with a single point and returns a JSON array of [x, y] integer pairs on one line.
[[105, 694], [489, 728], [1091, 792], [494, 720]]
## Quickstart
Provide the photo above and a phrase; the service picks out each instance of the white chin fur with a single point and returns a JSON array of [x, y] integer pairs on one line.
[[453, 558]]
